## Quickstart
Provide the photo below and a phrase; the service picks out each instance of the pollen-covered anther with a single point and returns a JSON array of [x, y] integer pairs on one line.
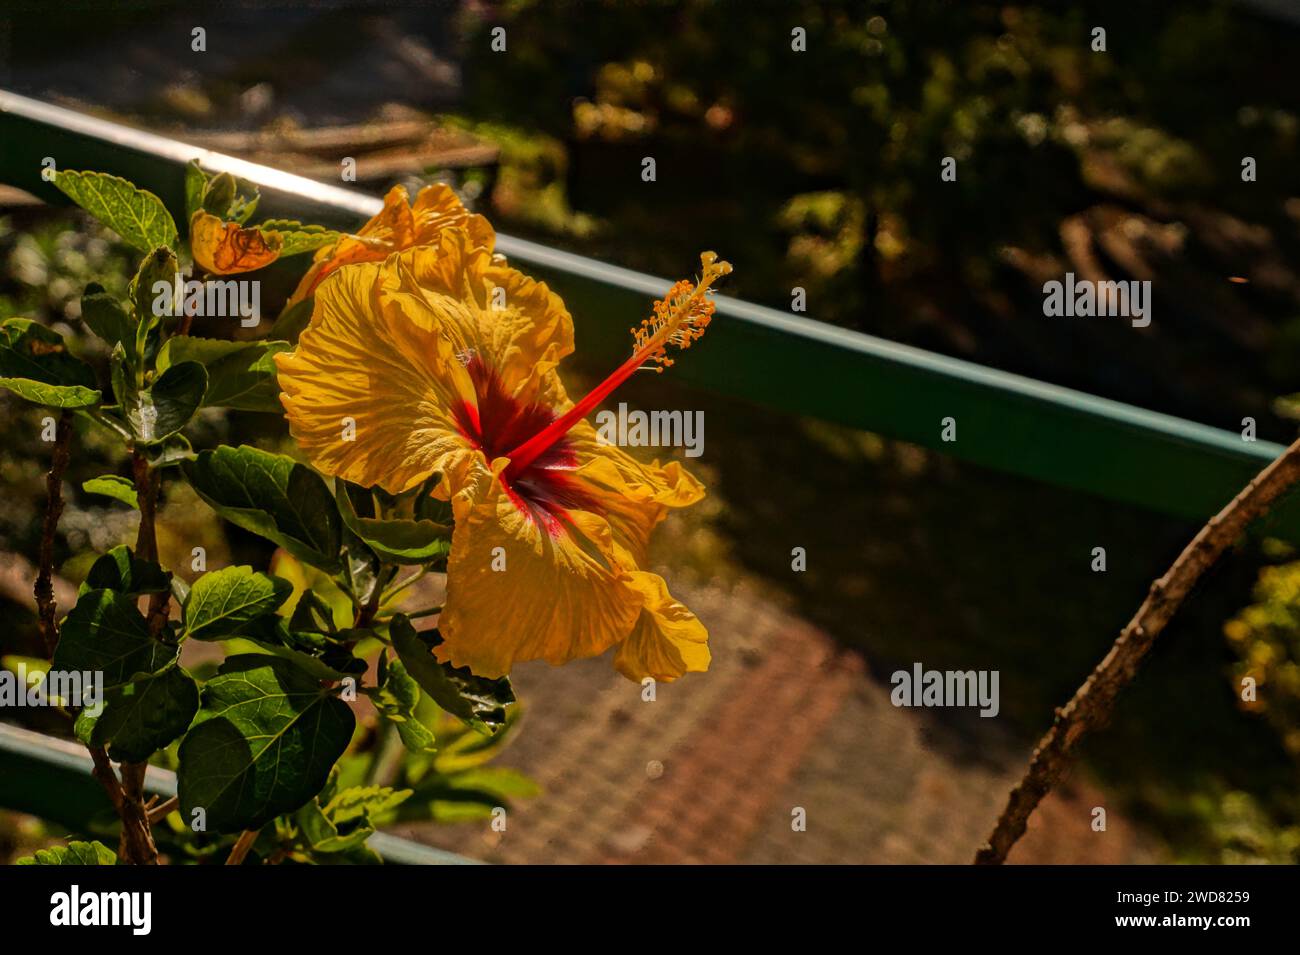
[[680, 317]]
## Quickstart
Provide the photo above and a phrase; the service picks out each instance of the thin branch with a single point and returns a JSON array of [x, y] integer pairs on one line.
[[388, 596], [1092, 703], [427, 612], [242, 845], [158, 813], [47, 609]]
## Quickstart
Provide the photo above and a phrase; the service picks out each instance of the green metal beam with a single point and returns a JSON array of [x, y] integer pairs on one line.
[[1004, 421], [51, 778]]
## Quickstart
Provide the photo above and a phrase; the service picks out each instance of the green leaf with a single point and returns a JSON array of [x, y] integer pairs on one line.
[[52, 396], [74, 853], [171, 450], [120, 570], [106, 316], [322, 835], [312, 614], [396, 698], [139, 217], [106, 632], [168, 405], [371, 803], [114, 486], [273, 496], [266, 738], [219, 194], [241, 375], [242, 208], [280, 644], [476, 700], [348, 819], [298, 238], [292, 321], [224, 603], [143, 716], [363, 574], [196, 181], [397, 541], [498, 783], [467, 795], [35, 365]]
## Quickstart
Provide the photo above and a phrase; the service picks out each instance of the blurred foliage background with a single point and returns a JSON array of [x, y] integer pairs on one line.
[[820, 170]]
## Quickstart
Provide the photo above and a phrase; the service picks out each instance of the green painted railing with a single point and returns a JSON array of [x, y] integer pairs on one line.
[[1004, 421]]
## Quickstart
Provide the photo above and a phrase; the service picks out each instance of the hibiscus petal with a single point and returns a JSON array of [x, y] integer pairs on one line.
[[438, 208], [667, 641], [393, 376], [635, 496], [396, 227], [388, 346], [517, 327], [562, 593]]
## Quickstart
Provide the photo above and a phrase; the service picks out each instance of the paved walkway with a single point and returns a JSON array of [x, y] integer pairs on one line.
[[715, 768]]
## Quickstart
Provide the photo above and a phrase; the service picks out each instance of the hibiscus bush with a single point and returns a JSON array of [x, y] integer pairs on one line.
[[450, 513]]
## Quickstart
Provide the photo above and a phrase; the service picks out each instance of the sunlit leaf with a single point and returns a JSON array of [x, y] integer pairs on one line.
[[114, 486], [225, 602], [74, 853], [138, 216]]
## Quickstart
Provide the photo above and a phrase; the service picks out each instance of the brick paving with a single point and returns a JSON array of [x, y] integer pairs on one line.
[[713, 769]]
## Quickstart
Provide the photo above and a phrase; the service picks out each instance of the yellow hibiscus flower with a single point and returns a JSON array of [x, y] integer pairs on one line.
[[399, 225], [440, 379]]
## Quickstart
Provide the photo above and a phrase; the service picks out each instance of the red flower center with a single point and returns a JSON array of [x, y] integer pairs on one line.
[[535, 438], [497, 423]]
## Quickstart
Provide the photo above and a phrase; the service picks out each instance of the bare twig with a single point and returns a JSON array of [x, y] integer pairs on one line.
[[1092, 703], [46, 608], [241, 847], [160, 812]]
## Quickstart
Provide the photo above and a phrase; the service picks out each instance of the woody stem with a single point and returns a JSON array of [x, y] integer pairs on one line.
[[47, 611], [1093, 702]]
